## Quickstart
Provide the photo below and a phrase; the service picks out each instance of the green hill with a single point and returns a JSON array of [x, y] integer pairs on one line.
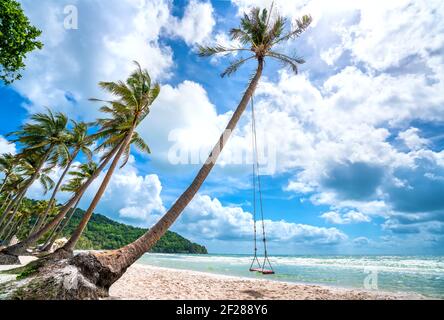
[[104, 233]]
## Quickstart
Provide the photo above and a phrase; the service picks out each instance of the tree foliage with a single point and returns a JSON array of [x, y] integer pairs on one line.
[[17, 39], [259, 33]]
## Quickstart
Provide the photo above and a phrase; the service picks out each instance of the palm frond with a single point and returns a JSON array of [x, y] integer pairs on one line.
[[140, 143], [235, 66], [207, 51], [302, 25], [292, 63], [240, 35], [126, 155]]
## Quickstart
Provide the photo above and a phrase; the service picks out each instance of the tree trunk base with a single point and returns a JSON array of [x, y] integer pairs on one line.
[[8, 259], [81, 277]]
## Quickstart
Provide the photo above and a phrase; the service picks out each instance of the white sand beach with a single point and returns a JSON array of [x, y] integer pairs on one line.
[[155, 283], [24, 261], [143, 282]]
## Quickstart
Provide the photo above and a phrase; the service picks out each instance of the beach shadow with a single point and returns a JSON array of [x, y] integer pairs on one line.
[[253, 293]]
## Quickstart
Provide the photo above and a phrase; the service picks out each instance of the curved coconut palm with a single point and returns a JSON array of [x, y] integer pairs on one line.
[[135, 97], [78, 141], [7, 165], [137, 94], [79, 177], [10, 254], [259, 34], [44, 136], [30, 170], [22, 215], [12, 187]]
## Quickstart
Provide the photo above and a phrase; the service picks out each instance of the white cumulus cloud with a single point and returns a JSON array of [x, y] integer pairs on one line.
[[208, 218], [6, 147], [346, 218]]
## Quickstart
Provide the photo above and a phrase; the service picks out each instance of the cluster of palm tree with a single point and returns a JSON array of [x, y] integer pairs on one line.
[[46, 145], [48, 142], [259, 34], [51, 141]]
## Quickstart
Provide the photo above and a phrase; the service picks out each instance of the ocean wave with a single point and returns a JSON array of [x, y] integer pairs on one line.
[[397, 264]]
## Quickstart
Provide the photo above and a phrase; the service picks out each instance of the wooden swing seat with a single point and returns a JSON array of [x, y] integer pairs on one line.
[[266, 272]]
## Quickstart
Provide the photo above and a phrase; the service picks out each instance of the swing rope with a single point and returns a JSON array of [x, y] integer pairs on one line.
[[257, 183], [255, 259]]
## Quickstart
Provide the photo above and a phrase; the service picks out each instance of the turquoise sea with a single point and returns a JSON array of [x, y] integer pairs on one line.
[[407, 274]]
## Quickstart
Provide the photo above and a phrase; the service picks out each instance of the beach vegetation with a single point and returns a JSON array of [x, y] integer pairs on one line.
[[17, 38]]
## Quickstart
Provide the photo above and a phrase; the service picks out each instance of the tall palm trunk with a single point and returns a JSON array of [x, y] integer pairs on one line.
[[59, 229], [5, 227], [5, 180], [119, 260], [54, 193], [37, 221], [21, 247], [11, 204], [70, 245], [22, 193], [13, 230], [6, 202]]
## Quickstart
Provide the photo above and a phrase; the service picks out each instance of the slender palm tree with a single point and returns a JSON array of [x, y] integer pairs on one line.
[[259, 34], [29, 166], [79, 177], [7, 165], [79, 141], [12, 187], [117, 134], [25, 212], [20, 248], [45, 136], [134, 99], [5, 199]]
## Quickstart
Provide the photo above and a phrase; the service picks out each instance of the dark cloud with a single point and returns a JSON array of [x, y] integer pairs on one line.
[[413, 218], [355, 181], [428, 227], [422, 189]]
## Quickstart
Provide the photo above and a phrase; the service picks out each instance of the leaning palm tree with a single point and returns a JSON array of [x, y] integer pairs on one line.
[[117, 134], [260, 34], [134, 99], [79, 177], [7, 165], [96, 272], [79, 141], [12, 187], [27, 210], [43, 136], [29, 167], [10, 254]]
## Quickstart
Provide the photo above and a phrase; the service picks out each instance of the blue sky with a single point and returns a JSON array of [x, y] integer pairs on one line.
[[353, 158]]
